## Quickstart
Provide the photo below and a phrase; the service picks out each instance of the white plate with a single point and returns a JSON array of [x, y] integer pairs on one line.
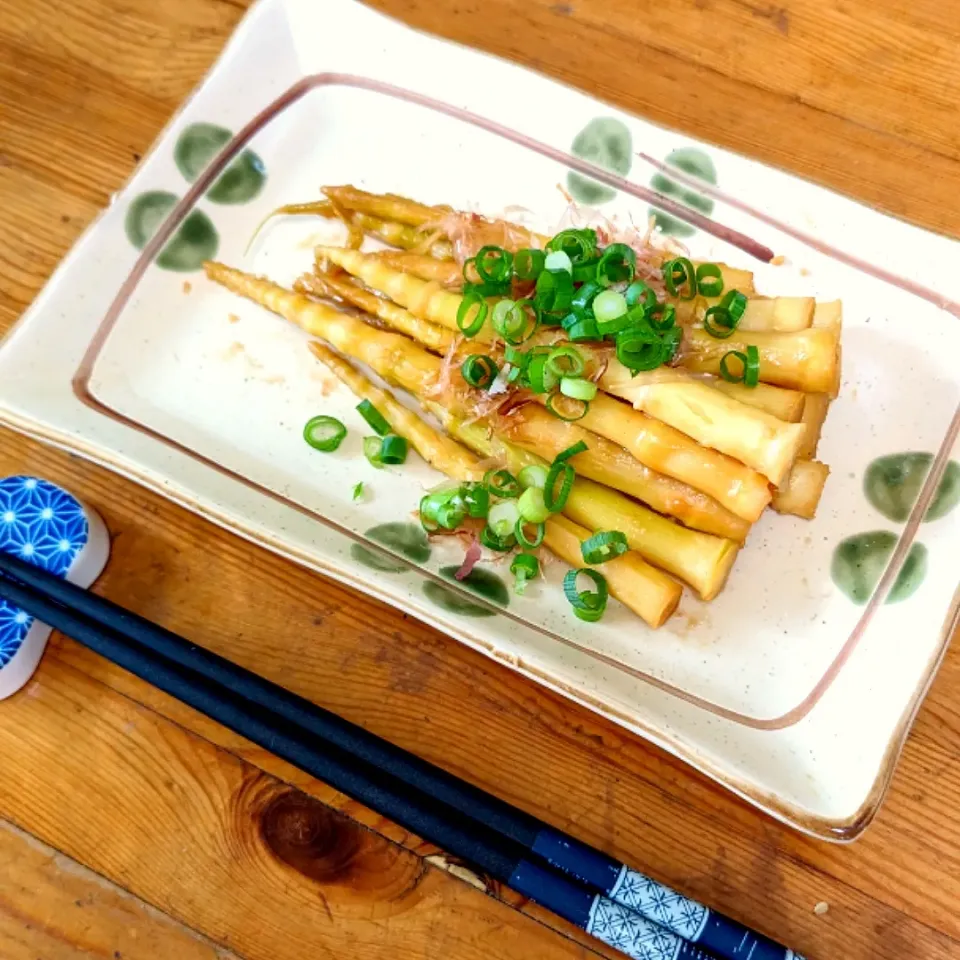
[[778, 690]]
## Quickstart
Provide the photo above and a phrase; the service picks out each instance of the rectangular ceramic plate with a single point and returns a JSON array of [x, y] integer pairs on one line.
[[783, 689]]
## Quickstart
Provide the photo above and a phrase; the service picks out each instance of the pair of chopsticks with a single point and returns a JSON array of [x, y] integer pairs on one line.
[[619, 906]]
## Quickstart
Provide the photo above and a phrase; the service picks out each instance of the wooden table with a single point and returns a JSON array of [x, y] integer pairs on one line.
[[131, 827]]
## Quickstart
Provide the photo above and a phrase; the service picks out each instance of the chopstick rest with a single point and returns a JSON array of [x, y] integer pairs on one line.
[[50, 528]]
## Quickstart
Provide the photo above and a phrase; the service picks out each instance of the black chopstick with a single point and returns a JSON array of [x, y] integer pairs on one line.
[[508, 837]]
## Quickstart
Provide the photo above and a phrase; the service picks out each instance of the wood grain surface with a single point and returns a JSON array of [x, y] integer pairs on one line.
[[220, 846]]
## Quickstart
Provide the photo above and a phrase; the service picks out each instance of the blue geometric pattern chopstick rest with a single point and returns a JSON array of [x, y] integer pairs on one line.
[[50, 528]]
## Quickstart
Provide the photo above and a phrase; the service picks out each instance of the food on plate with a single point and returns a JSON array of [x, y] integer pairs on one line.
[[599, 395]]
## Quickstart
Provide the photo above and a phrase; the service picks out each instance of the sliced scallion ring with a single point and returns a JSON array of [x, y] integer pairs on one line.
[[559, 483], [565, 362], [709, 280], [371, 450], [503, 517], [566, 408], [493, 264], [471, 313], [604, 546], [527, 264], [533, 475], [502, 483], [479, 370], [524, 567], [324, 433], [680, 278], [587, 604], [526, 539], [393, 449], [578, 389], [618, 263], [532, 507], [373, 417]]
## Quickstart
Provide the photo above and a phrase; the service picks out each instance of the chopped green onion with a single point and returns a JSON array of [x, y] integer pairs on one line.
[[516, 321], [577, 244], [709, 280], [493, 264], [492, 542], [466, 268], [662, 316], [749, 367], [584, 270], [371, 450], [718, 322], [525, 566], [324, 433], [502, 483], [532, 507], [373, 417], [587, 604], [583, 330], [539, 376], [555, 497], [640, 293], [604, 546], [577, 388], [579, 447], [735, 303], [618, 263], [503, 517], [608, 306], [680, 278], [358, 491], [639, 349], [479, 370], [565, 362], [566, 408], [554, 291], [471, 323], [445, 508], [520, 532], [584, 296], [476, 497], [518, 358], [558, 260], [533, 475], [527, 264], [393, 449]]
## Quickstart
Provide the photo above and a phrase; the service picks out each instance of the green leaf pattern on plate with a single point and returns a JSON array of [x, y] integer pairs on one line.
[[859, 562], [892, 485], [488, 585], [606, 142], [198, 144], [407, 539], [698, 164], [197, 239]]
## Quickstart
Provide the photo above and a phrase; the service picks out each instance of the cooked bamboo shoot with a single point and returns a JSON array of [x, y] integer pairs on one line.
[[532, 428], [648, 592], [445, 272], [435, 338], [806, 360], [786, 405], [814, 414], [702, 560], [801, 492], [699, 558], [710, 417]]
